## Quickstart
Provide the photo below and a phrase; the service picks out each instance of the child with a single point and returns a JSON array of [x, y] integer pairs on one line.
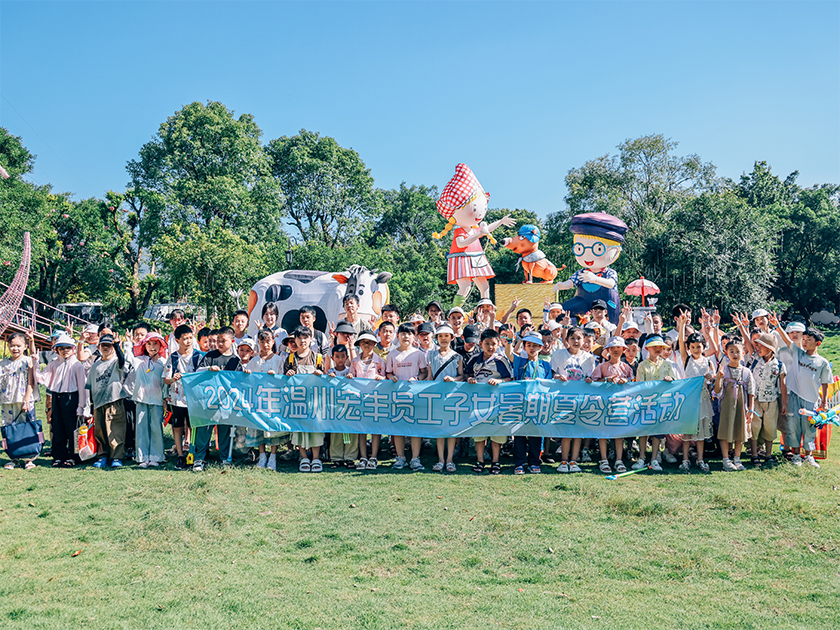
[[695, 363], [304, 361], [148, 399], [387, 332], [631, 355], [344, 447], [406, 363], [270, 315], [203, 337], [808, 379], [571, 364], [139, 332], [528, 448], [240, 325], [222, 358], [176, 318], [17, 387], [266, 362], [489, 367], [771, 395], [735, 386], [424, 337], [245, 348], [213, 340], [654, 368], [613, 370], [600, 316], [64, 379], [368, 364], [445, 365], [105, 382], [183, 361]]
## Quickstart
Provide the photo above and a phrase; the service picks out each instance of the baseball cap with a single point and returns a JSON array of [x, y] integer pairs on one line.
[[109, 339], [655, 340], [599, 304], [426, 327], [247, 341], [65, 340], [433, 303], [344, 327], [554, 306], [471, 334], [630, 326], [92, 328], [455, 309], [795, 327], [533, 338], [760, 313], [416, 319]]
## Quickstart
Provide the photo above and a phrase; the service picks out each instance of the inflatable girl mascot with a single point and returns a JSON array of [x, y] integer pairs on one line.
[[597, 244], [464, 203]]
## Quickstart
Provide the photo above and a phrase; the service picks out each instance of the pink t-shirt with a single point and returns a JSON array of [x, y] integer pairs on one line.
[[606, 370], [406, 365], [375, 367]]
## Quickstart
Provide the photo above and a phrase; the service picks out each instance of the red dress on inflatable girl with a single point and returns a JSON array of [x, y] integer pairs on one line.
[[464, 202]]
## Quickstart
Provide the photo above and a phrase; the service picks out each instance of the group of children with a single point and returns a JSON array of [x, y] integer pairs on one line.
[[756, 382]]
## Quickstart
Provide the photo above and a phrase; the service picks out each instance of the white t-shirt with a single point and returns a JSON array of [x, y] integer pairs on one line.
[[575, 367], [406, 365]]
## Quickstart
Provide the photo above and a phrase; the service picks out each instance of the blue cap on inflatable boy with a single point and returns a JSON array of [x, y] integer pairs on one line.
[[597, 244]]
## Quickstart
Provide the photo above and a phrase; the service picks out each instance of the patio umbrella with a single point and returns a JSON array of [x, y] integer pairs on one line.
[[641, 287]]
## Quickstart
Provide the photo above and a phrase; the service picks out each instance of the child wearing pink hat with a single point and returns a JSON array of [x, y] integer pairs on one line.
[[148, 396]]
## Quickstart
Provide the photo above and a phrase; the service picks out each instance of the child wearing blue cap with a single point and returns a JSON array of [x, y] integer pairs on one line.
[[530, 367]]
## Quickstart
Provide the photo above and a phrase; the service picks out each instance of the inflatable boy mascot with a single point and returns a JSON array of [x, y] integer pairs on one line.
[[464, 203], [597, 244]]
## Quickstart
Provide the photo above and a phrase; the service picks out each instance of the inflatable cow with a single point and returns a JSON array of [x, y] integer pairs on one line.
[[325, 292]]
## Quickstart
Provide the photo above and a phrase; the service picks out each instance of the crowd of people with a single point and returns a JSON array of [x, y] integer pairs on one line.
[[757, 380]]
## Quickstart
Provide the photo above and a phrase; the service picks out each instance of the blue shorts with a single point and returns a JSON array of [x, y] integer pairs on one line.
[[799, 427]]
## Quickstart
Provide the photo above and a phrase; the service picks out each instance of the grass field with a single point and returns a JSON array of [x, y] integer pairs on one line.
[[248, 548]]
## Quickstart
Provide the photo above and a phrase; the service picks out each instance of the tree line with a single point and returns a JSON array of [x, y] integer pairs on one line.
[[209, 208]]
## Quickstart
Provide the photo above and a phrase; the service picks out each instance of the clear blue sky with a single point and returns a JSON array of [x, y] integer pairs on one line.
[[521, 92]]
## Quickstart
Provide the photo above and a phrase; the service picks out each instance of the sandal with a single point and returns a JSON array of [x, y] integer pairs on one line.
[[362, 463], [519, 470], [450, 467], [756, 461], [479, 467], [317, 466], [604, 467], [304, 465], [495, 469], [534, 470], [29, 465], [438, 467], [371, 463], [620, 467], [56, 463], [68, 463]]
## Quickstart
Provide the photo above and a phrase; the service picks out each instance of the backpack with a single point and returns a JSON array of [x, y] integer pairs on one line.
[[291, 363], [176, 358]]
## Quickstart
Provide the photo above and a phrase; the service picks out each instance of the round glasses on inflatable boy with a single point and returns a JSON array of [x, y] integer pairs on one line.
[[597, 248]]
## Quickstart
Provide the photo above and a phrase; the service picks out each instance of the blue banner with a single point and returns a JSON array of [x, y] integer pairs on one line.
[[437, 409]]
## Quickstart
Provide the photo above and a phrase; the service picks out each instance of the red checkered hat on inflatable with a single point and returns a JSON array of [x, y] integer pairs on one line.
[[460, 190]]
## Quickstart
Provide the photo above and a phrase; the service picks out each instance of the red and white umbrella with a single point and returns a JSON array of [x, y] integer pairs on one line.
[[641, 287]]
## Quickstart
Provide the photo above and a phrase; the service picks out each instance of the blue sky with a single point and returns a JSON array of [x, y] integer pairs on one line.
[[521, 92]]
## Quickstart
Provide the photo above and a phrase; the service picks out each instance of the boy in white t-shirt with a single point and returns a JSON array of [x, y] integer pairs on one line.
[[407, 363]]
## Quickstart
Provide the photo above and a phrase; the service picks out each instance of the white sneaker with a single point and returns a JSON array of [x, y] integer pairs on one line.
[[703, 465], [574, 468], [640, 463], [809, 459], [796, 460], [399, 463], [685, 466], [563, 467], [559, 450], [584, 455], [669, 458], [738, 465], [728, 466], [154, 464], [655, 466], [146, 464], [415, 465], [262, 461], [272, 462]]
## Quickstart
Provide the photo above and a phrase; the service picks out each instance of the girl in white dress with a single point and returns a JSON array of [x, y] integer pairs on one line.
[[266, 362], [696, 363]]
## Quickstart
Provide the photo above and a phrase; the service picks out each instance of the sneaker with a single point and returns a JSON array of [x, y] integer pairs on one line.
[[101, 462], [703, 466], [728, 466], [585, 457], [262, 461], [574, 468], [180, 463], [272, 462], [563, 467], [685, 466], [438, 467], [399, 463], [559, 450], [738, 465], [669, 458], [809, 459], [154, 464], [371, 463], [198, 466], [416, 466], [796, 460], [640, 463], [655, 466], [11, 466], [143, 465]]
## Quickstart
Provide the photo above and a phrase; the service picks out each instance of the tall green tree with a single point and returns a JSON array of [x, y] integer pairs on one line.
[[408, 214], [328, 190]]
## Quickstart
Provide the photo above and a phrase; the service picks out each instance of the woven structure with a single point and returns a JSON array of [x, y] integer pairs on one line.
[[10, 300]]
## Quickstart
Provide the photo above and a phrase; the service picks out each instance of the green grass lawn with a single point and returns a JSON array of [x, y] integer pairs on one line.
[[830, 349], [248, 548]]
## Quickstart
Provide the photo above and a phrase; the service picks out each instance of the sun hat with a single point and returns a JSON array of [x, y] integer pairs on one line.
[[533, 338], [455, 309], [768, 341], [655, 340], [152, 336], [616, 342], [64, 340], [555, 306], [416, 318], [444, 328], [344, 327], [484, 302], [246, 341], [365, 336], [91, 328], [631, 325], [553, 325]]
